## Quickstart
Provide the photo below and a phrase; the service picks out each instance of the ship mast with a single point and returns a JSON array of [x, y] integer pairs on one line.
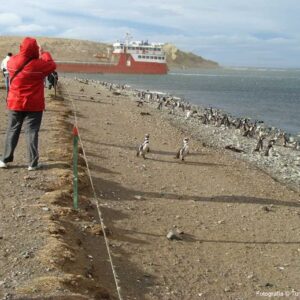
[[128, 37]]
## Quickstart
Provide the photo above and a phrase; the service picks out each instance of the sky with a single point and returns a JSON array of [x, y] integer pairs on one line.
[[256, 33]]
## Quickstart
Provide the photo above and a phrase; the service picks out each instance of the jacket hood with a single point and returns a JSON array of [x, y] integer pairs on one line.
[[29, 48]]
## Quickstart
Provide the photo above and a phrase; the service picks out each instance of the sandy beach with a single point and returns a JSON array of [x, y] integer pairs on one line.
[[239, 224]]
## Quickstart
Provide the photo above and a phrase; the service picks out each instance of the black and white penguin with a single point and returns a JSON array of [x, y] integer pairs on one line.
[[184, 150], [270, 147], [260, 142], [144, 147]]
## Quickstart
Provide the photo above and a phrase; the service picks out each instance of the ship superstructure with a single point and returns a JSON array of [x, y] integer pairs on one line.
[[134, 57]]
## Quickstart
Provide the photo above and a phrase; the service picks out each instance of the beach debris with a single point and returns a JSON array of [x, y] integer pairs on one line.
[[145, 113], [267, 208], [175, 234], [144, 147], [235, 149], [268, 284], [140, 102]]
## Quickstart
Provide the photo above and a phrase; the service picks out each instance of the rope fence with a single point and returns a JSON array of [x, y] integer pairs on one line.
[[77, 136]]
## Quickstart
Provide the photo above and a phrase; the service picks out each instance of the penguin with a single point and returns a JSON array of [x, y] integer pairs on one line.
[[260, 143], [188, 114], [270, 147], [144, 147], [184, 150]]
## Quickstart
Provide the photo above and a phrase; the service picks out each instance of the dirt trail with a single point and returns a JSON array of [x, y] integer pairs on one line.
[[241, 228], [47, 249]]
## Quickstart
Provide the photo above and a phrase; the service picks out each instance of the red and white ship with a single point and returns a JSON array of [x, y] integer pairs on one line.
[[128, 58]]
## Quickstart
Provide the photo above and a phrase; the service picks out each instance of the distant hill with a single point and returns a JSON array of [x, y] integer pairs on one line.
[[186, 60], [81, 50]]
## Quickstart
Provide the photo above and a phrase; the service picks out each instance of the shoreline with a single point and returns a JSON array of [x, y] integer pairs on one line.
[[240, 94], [282, 162]]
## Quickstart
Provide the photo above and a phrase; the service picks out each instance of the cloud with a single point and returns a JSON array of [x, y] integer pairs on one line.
[[30, 29], [9, 19]]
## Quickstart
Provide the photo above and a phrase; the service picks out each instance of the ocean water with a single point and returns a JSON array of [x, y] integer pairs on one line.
[[270, 95]]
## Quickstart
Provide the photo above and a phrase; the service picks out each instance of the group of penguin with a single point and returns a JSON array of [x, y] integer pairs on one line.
[[145, 148]]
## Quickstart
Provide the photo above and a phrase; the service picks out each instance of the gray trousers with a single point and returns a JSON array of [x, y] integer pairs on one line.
[[32, 123], [6, 78]]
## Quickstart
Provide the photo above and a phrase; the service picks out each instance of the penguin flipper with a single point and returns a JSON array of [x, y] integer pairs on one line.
[[138, 152]]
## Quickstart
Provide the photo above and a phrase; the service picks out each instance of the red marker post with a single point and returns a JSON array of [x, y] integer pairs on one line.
[[75, 167]]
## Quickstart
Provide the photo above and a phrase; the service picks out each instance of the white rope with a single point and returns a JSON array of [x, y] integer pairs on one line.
[[96, 199]]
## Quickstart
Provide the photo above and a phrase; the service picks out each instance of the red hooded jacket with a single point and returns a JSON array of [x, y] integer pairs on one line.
[[26, 92]]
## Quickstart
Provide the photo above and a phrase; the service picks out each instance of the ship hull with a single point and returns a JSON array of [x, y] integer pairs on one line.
[[126, 65]]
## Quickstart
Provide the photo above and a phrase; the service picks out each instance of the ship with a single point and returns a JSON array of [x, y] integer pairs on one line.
[[129, 57]]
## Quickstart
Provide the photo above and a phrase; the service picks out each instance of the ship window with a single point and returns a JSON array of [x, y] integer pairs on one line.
[[155, 57], [147, 57], [139, 56], [143, 56]]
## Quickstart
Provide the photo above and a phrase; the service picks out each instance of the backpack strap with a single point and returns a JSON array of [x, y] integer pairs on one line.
[[19, 70]]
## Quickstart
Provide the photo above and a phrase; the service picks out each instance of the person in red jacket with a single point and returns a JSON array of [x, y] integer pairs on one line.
[[25, 100]]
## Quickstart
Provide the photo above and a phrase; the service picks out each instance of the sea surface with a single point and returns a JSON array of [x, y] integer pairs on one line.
[[269, 95]]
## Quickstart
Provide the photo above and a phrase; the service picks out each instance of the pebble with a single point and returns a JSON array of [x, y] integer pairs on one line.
[[45, 208], [26, 254]]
